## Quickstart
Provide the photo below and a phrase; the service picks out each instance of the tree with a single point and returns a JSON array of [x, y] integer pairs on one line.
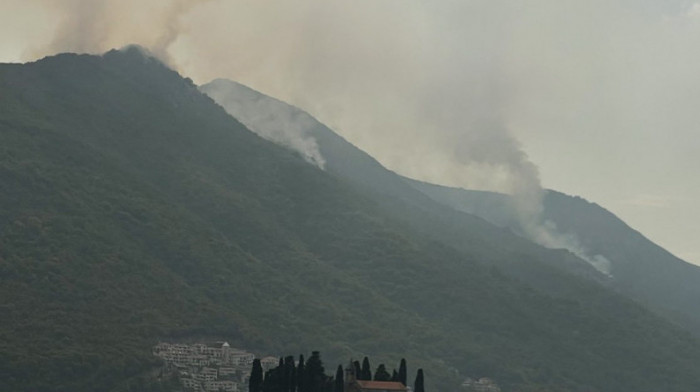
[[315, 373], [273, 381], [395, 376], [358, 370], [366, 373], [339, 382], [402, 372], [418, 384], [290, 370], [256, 377], [300, 374], [381, 374]]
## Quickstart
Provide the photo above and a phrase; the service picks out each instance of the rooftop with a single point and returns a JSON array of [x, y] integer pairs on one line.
[[383, 385]]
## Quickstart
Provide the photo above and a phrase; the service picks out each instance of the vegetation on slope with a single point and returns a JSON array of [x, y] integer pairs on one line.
[[640, 269], [134, 209]]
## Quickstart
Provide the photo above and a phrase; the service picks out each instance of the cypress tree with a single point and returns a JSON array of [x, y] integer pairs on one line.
[[402, 372], [395, 376], [358, 371], [301, 374], [315, 373], [339, 382], [270, 382], [381, 374], [256, 377], [418, 384], [281, 384], [289, 379], [366, 373]]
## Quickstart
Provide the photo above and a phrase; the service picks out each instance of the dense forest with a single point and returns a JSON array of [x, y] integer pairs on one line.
[[310, 375], [135, 209]]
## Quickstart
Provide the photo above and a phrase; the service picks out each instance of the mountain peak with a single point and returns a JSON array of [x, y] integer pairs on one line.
[[134, 55], [134, 52]]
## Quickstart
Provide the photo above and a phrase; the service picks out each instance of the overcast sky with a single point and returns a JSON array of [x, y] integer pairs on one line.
[[603, 97]]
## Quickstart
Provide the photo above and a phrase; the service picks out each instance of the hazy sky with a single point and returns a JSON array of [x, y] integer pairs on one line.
[[603, 97]]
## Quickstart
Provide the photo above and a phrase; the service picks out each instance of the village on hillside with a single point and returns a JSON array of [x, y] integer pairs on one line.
[[210, 367], [218, 367]]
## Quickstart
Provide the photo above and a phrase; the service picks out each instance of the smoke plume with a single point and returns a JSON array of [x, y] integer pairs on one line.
[[438, 91], [269, 118], [95, 26]]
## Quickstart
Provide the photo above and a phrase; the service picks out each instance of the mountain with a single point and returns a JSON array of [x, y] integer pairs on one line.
[[134, 209], [639, 268], [280, 122]]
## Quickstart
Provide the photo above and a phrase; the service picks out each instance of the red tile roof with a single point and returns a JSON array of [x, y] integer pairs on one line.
[[385, 385]]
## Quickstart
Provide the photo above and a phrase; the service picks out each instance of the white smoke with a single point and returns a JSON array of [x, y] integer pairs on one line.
[[95, 26], [491, 147], [269, 118], [435, 91], [545, 233]]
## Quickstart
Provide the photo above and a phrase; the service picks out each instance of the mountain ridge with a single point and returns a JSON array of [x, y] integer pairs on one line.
[[641, 269], [352, 164], [134, 208]]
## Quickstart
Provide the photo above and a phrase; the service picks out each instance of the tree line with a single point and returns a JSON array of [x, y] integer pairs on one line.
[[309, 375]]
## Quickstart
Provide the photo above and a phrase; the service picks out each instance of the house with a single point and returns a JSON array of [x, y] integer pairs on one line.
[[376, 386], [191, 384], [216, 386], [481, 385], [226, 371], [268, 363], [352, 384]]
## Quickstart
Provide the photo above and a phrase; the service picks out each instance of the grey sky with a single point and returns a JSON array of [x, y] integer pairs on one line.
[[602, 96]]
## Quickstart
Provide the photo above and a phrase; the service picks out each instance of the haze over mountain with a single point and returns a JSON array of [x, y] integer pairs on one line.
[[630, 262], [134, 209], [600, 95], [639, 267]]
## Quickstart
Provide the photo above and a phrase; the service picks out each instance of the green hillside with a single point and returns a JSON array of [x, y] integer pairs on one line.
[[640, 269], [133, 209], [516, 256]]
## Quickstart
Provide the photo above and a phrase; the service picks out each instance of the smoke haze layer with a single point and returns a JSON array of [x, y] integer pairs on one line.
[[271, 119], [602, 95]]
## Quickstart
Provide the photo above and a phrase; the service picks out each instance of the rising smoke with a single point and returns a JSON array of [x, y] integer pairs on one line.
[[434, 90], [94, 26], [269, 118]]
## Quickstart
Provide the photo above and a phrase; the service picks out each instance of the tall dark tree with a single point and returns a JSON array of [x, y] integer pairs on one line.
[[256, 377], [289, 374], [402, 372], [381, 374], [358, 369], [339, 382], [273, 380], [301, 374], [315, 376], [418, 384], [366, 373], [395, 376]]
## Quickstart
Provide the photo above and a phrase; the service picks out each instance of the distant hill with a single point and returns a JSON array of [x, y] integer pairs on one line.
[[640, 268], [269, 117], [549, 271], [134, 209]]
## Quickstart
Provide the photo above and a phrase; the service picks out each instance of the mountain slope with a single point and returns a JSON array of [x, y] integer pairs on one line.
[[269, 117], [640, 268], [134, 209]]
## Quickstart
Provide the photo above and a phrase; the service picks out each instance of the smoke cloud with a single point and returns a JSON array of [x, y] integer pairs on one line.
[[269, 118], [454, 92], [94, 26]]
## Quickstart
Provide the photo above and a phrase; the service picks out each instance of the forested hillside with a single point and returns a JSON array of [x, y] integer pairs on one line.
[[133, 208], [640, 269]]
